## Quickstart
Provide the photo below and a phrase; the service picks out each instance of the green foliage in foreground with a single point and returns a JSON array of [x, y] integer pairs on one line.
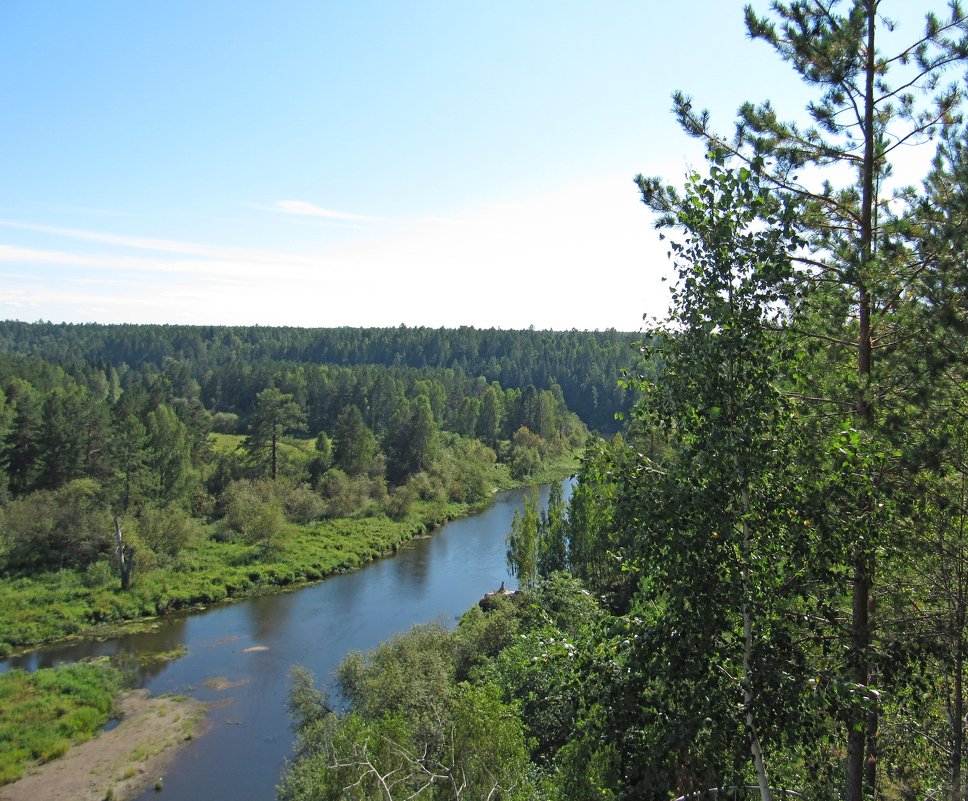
[[43, 713], [780, 534], [436, 714], [430, 713]]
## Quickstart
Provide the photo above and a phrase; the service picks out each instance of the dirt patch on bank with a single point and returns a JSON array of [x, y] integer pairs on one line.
[[123, 761]]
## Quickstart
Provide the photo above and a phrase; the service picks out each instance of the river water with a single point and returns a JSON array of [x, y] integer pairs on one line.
[[239, 654]]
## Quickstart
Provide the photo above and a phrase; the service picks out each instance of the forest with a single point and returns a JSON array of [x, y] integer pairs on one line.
[[228, 362], [758, 588]]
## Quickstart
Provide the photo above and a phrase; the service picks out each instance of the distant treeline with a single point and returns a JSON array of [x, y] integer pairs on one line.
[[231, 363]]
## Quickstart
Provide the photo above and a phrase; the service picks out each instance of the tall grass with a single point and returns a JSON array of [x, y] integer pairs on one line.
[[43, 713]]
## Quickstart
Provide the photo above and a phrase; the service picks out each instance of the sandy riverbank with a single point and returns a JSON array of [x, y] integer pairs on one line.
[[120, 763]]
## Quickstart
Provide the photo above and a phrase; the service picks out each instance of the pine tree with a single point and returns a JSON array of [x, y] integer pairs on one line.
[[354, 445], [22, 446], [276, 412]]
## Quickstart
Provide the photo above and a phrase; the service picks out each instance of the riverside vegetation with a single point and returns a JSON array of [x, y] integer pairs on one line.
[[210, 567], [43, 713], [54, 744], [759, 587]]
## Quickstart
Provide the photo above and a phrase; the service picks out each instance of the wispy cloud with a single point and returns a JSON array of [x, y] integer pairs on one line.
[[123, 240], [160, 286], [303, 208], [152, 244], [574, 256], [205, 258]]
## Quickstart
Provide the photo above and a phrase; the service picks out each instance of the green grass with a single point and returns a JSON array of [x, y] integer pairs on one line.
[[53, 606], [225, 443], [298, 449], [43, 713]]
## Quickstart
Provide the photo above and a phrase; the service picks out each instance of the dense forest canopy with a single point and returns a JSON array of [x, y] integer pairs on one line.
[[585, 365], [119, 420]]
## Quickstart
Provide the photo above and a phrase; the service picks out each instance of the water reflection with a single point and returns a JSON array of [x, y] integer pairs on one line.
[[166, 634], [265, 616], [416, 570]]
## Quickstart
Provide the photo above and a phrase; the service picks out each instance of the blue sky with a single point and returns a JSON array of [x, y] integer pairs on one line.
[[374, 162]]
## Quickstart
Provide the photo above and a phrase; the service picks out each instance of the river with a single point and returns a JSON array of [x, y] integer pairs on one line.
[[239, 654]]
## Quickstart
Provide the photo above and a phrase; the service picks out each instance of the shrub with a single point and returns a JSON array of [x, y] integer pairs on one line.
[[225, 423], [254, 514], [98, 574], [399, 502], [427, 488], [343, 495], [54, 529], [166, 530], [463, 468], [411, 720], [302, 505], [526, 452]]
